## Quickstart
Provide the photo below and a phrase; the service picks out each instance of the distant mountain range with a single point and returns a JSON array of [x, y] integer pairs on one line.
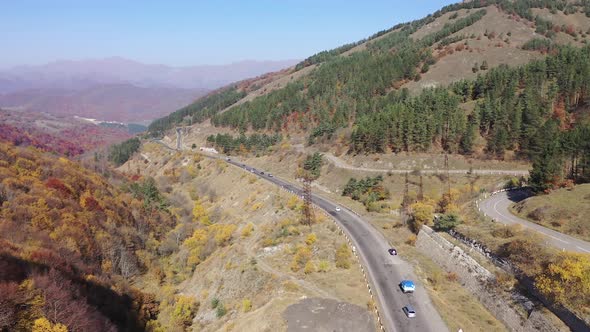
[[118, 89]]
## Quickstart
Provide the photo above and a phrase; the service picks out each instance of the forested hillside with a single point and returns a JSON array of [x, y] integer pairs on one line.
[[70, 243], [358, 91], [63, 135]]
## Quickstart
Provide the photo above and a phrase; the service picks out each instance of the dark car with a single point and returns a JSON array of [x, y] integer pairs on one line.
[[392, 251], [262, 173]]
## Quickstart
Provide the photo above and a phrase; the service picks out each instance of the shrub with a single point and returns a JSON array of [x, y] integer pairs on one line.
[[214, 303], [268, 242], [452, 276], [506, 232], [366, 190], [505, 280], [435, 279], [309, 267], [311, 239], [343, 257], [323, 266], [223, 233], [447, 222], [411, 240], [302, 256], [246, 305], [220, 311], [290, 286], [537, 214], [256, 206], [292, 202], [247, 230], [484, 65]]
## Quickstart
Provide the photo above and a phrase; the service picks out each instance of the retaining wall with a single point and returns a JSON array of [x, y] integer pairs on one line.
[[478, 280]]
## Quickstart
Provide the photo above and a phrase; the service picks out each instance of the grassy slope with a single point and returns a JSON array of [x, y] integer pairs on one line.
[[566, 211], [243, 269], [457, 65], [446, 295]]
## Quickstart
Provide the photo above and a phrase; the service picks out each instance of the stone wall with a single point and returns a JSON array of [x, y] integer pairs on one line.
[[478, 280]]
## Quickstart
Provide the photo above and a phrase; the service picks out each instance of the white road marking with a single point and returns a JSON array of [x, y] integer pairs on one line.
[[588, 251], [542, 231]]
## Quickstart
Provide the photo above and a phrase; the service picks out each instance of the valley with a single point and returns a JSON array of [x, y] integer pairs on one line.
[[432, 176]]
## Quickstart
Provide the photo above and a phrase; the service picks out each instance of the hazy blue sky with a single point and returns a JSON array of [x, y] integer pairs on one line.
[[191, 32]]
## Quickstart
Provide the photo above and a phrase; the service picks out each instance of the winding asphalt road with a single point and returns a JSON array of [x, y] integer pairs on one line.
[[497, 207], [384, 271]]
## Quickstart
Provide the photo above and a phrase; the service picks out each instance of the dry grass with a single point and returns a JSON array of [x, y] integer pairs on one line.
[[563, 210], [456, 66], [242, 269]]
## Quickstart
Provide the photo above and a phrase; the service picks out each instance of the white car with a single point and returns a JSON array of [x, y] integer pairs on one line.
[[338, 209], [409, 311]]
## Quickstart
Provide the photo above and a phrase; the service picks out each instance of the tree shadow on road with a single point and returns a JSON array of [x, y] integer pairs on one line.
[[518, 195]]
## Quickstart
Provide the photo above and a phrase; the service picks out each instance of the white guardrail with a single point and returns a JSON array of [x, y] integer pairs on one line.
[[486, 196]]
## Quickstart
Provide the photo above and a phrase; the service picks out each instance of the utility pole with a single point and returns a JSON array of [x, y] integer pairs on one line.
[[406, 200], [421, 189], [448, 176], [308, 215], [470, 178]]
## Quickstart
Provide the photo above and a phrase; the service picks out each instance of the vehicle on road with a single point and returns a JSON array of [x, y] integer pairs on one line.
[[409, 311], [338, 209], [392, 251], [269, 175], [261, 172], [228, 159], [407, 286]]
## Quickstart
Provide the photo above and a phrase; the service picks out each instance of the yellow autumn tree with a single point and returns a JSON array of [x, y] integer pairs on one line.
[[223, 233], [200, 214], [247, 230], [311, 239], [447, 203], [184, 310], [40, 212], [302, 256], [567, 280], [44, 325], [421, 214], [195, 245]]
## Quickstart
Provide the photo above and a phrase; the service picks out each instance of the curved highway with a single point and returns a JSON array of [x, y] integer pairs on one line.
[[497, 207], [384, 271]]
